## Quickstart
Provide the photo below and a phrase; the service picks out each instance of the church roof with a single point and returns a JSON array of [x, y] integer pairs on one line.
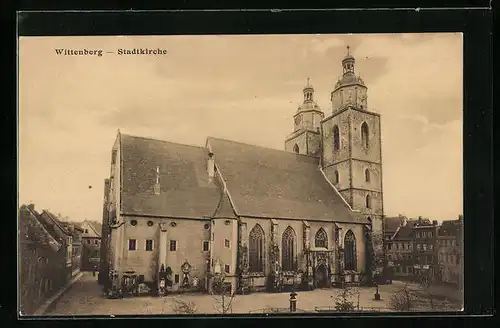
[[270, 183], [185, 192]]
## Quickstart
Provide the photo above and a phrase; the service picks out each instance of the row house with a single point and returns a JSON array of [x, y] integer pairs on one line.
[[41, 258], [450, 251], [412, 250], [91, 245], [57, 229], [76, 248]]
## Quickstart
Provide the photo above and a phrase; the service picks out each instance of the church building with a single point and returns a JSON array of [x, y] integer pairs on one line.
[[304, 216]]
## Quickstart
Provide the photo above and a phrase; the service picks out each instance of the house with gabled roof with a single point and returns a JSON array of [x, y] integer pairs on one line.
[[41, 256], [63, 235], [91, 240], [252, 213]]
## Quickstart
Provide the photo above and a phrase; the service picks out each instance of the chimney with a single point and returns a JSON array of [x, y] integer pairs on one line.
[[434, 223], [211, 165], [31, 207], [403, 221], [460, 218]]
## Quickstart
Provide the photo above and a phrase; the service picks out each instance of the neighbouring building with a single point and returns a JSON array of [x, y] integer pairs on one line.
[[425, 248], [450, 251], [57, 229], [91, 245], [399, 250], [39, 261], [76, 247], [252, 212]]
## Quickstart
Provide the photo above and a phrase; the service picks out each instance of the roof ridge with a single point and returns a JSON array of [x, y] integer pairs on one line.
[[160, 140], [258, 146], [57, 222]]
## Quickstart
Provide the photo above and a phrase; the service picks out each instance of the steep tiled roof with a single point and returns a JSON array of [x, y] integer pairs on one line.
[[185, 188], [50, 222], [31, 229], [391, 224], [95, 229], [450, 228], [270, 183]]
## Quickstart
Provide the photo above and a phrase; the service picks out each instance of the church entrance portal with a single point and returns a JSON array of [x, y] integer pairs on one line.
[[321, 276]]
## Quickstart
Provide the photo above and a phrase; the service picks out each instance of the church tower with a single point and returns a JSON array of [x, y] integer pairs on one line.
[[306, 137], [352, 150]]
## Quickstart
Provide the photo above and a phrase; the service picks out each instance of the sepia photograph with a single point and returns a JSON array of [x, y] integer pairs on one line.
[[240, 174]]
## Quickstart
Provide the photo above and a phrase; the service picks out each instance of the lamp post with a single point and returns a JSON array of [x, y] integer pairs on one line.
[[377, 295], [293, 301]]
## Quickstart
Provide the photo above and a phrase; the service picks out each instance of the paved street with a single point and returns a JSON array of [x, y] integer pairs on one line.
[[86, 298]]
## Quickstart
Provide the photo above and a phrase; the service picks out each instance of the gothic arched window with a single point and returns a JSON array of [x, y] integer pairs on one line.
[[288, 249], [321, 239], [256, 249], [296, 148], [336, 138], [364, 135], [350, 251], [368, 201], [367, 175], [337, 179]]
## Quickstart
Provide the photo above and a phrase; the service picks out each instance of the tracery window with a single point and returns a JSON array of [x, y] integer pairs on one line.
[[336, 138], [321, 239], [350, 251], [256, 249], [288, 250]]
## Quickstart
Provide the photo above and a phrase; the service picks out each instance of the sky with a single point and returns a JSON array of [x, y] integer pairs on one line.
[[244, 88]]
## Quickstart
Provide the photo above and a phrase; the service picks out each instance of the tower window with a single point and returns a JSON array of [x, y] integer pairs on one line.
[[367, 175], [364, 135], [368, 201], [336, 138], [296, 149], [337, 179]]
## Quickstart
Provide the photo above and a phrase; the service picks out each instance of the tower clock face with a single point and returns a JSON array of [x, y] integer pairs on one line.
[[298, 119]]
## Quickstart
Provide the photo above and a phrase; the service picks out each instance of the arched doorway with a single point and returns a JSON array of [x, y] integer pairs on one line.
[[321, 276]]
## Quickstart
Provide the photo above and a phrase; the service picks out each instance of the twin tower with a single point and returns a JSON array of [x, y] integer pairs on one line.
[[347, 142]]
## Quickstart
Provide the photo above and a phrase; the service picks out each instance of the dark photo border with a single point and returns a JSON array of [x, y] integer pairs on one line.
[[476, 26]]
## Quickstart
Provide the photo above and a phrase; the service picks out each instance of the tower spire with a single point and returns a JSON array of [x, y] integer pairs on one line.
[[348, 53]]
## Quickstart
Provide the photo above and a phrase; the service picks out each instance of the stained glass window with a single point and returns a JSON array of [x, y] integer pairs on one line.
[[256, 249], [350, 251], [288, 249], [321, 239]]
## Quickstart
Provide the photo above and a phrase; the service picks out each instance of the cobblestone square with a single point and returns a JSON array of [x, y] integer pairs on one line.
[[86, 298]]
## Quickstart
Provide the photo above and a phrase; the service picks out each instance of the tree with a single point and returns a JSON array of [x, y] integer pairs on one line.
[[343, 302], [222, 294], [403, 299], [183, 307], [425, 281]]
